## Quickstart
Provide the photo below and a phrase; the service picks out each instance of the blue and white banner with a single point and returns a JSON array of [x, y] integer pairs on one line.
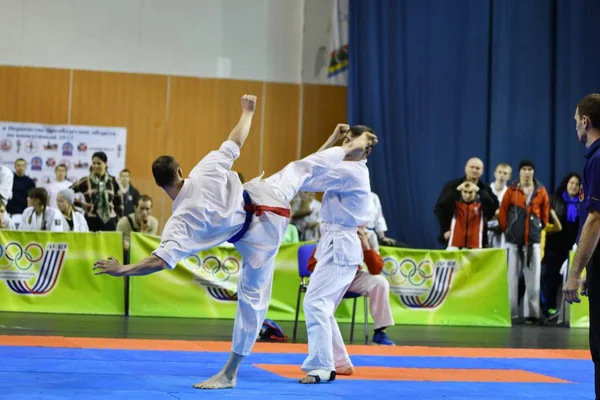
[[44, 147]]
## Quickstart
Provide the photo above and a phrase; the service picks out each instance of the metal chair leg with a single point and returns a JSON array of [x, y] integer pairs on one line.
[[352, 323], [366, 301], [297, 313]]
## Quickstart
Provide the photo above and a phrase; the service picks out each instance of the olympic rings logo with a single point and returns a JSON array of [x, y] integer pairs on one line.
[[213, 267], [417, 274], [22, 258]]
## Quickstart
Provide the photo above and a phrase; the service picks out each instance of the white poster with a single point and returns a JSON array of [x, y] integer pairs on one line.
[[46, 146]]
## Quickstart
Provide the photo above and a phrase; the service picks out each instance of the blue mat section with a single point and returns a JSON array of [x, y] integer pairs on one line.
[[48, 373]]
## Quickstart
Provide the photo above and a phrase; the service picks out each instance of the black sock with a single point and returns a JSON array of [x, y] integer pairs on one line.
[[379, 330]]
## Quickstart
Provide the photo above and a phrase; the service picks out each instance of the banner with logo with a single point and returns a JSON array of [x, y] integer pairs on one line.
[[52, 272], [579, 313], [44, 147], [337, 72], [426, 287]]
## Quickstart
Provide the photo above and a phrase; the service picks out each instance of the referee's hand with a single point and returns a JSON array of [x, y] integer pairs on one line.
[[571, 289]]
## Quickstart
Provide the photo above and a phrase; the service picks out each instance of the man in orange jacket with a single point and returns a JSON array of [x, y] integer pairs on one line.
[[524, 212], [371, 284]]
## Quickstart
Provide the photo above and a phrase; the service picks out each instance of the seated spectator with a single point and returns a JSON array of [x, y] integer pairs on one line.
[[38, 216], [306, 215], [372, 284], [377, 221], [470, 215], [139, 221], [291, 234], [73, 221], [5, 222]]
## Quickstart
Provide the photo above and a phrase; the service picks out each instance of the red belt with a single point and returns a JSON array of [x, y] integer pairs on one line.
[[258, 210]]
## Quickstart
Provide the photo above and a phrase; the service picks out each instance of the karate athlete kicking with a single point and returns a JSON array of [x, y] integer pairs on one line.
[[212, 206], [345, 207]]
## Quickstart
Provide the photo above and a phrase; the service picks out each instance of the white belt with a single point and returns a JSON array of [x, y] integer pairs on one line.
[[338, 228]]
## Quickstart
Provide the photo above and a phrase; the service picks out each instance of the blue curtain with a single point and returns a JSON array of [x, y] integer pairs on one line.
[[441, 82]]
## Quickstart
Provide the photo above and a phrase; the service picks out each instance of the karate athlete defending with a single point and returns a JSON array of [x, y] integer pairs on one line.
[[345, 207], [212, 206]]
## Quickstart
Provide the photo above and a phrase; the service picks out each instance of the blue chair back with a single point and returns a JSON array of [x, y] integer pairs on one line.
[[304, 253]]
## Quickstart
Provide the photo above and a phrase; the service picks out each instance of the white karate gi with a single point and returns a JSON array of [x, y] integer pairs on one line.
[[79, 223], [339, 252], [209, 210], [50, 220], [6, 184], [496, 240]]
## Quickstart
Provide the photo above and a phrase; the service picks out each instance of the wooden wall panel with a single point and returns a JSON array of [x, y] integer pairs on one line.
[[189, 120], [34, 95], [202, 113], [324, 107], [280, 137], [137, 102]]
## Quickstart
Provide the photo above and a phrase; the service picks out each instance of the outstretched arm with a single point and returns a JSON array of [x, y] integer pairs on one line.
[[239, 134], [147, 266]]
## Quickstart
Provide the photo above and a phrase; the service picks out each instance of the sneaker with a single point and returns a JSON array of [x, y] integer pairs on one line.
[[552, 314], [382, 339]]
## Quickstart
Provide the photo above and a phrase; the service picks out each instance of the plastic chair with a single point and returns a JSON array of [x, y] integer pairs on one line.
[[304, 253]]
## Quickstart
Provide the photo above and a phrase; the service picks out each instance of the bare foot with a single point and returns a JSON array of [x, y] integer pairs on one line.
[[345, 371], [219, 381]]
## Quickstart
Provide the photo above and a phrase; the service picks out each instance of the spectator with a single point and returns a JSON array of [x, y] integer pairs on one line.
[[5, 222], [306, 215], [502, 175], [138, 221], [377, 221], [470, 215], [130, 194], [372, 284], [6, 184], [21, 186], [60, 183], [73, 221], [524, 212], [103, 200], [444, 211], [564, 202], [291, 234], [38, 216]]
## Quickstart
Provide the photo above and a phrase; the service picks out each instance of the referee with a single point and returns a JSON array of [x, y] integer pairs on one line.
[[587, 117]]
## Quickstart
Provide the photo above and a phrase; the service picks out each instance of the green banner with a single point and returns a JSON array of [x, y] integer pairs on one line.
[[448, 287], [426, 287], [52, 272], [579, 316]]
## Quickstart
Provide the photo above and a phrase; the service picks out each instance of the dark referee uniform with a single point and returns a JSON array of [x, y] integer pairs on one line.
[[589, 198]]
